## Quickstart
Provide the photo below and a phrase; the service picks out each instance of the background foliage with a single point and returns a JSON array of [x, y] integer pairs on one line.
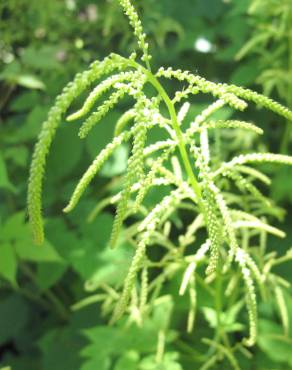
[[41, 47]]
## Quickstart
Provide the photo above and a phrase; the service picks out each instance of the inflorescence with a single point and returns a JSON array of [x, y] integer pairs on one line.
[[197, 179]]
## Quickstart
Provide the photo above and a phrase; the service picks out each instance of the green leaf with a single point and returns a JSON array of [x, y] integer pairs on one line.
[[14, 75], [4, 180], [162, 312], [98, 362], [64, 240], [103, 223], [168, 362], [30, 81], [14, 228], [17, 231], [18, 155], [245, 74], [83, 250], [83, 256], [31, 126], [210, 316], [60, 348], [27, 361], [10, 71], [281, 186], [29, 252], [49, 273], [25, 101], [43, 58], [272, 341], [65, 153], [260, 38], [14, 316], [101, 134], [227, 319], [8, 263], [111, 268], [117, 163], [204, 6], [108, 340], [129, 361]]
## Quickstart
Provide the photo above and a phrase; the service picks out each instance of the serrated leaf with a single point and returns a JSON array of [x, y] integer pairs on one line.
[[129, 361], [118, 340], [227, 319], [168, 362], [98, 362]]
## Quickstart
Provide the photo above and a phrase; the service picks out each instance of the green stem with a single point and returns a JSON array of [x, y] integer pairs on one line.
[[204, 285], [179, 135], [180, 139], [218, 303], [187, 349], [32, 296], [60, 308], [148, 65]]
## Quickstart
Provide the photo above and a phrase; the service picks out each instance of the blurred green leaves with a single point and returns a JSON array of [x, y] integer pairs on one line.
[[16, 246], [133, 345], [14, 317], [4, 181], [273, 342], [8, 264], [14, 75]]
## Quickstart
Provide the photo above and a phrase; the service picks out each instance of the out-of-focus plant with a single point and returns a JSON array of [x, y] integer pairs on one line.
[[270, 44]]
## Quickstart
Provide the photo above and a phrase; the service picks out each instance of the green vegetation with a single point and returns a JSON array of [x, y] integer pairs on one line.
[[172, 252]]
